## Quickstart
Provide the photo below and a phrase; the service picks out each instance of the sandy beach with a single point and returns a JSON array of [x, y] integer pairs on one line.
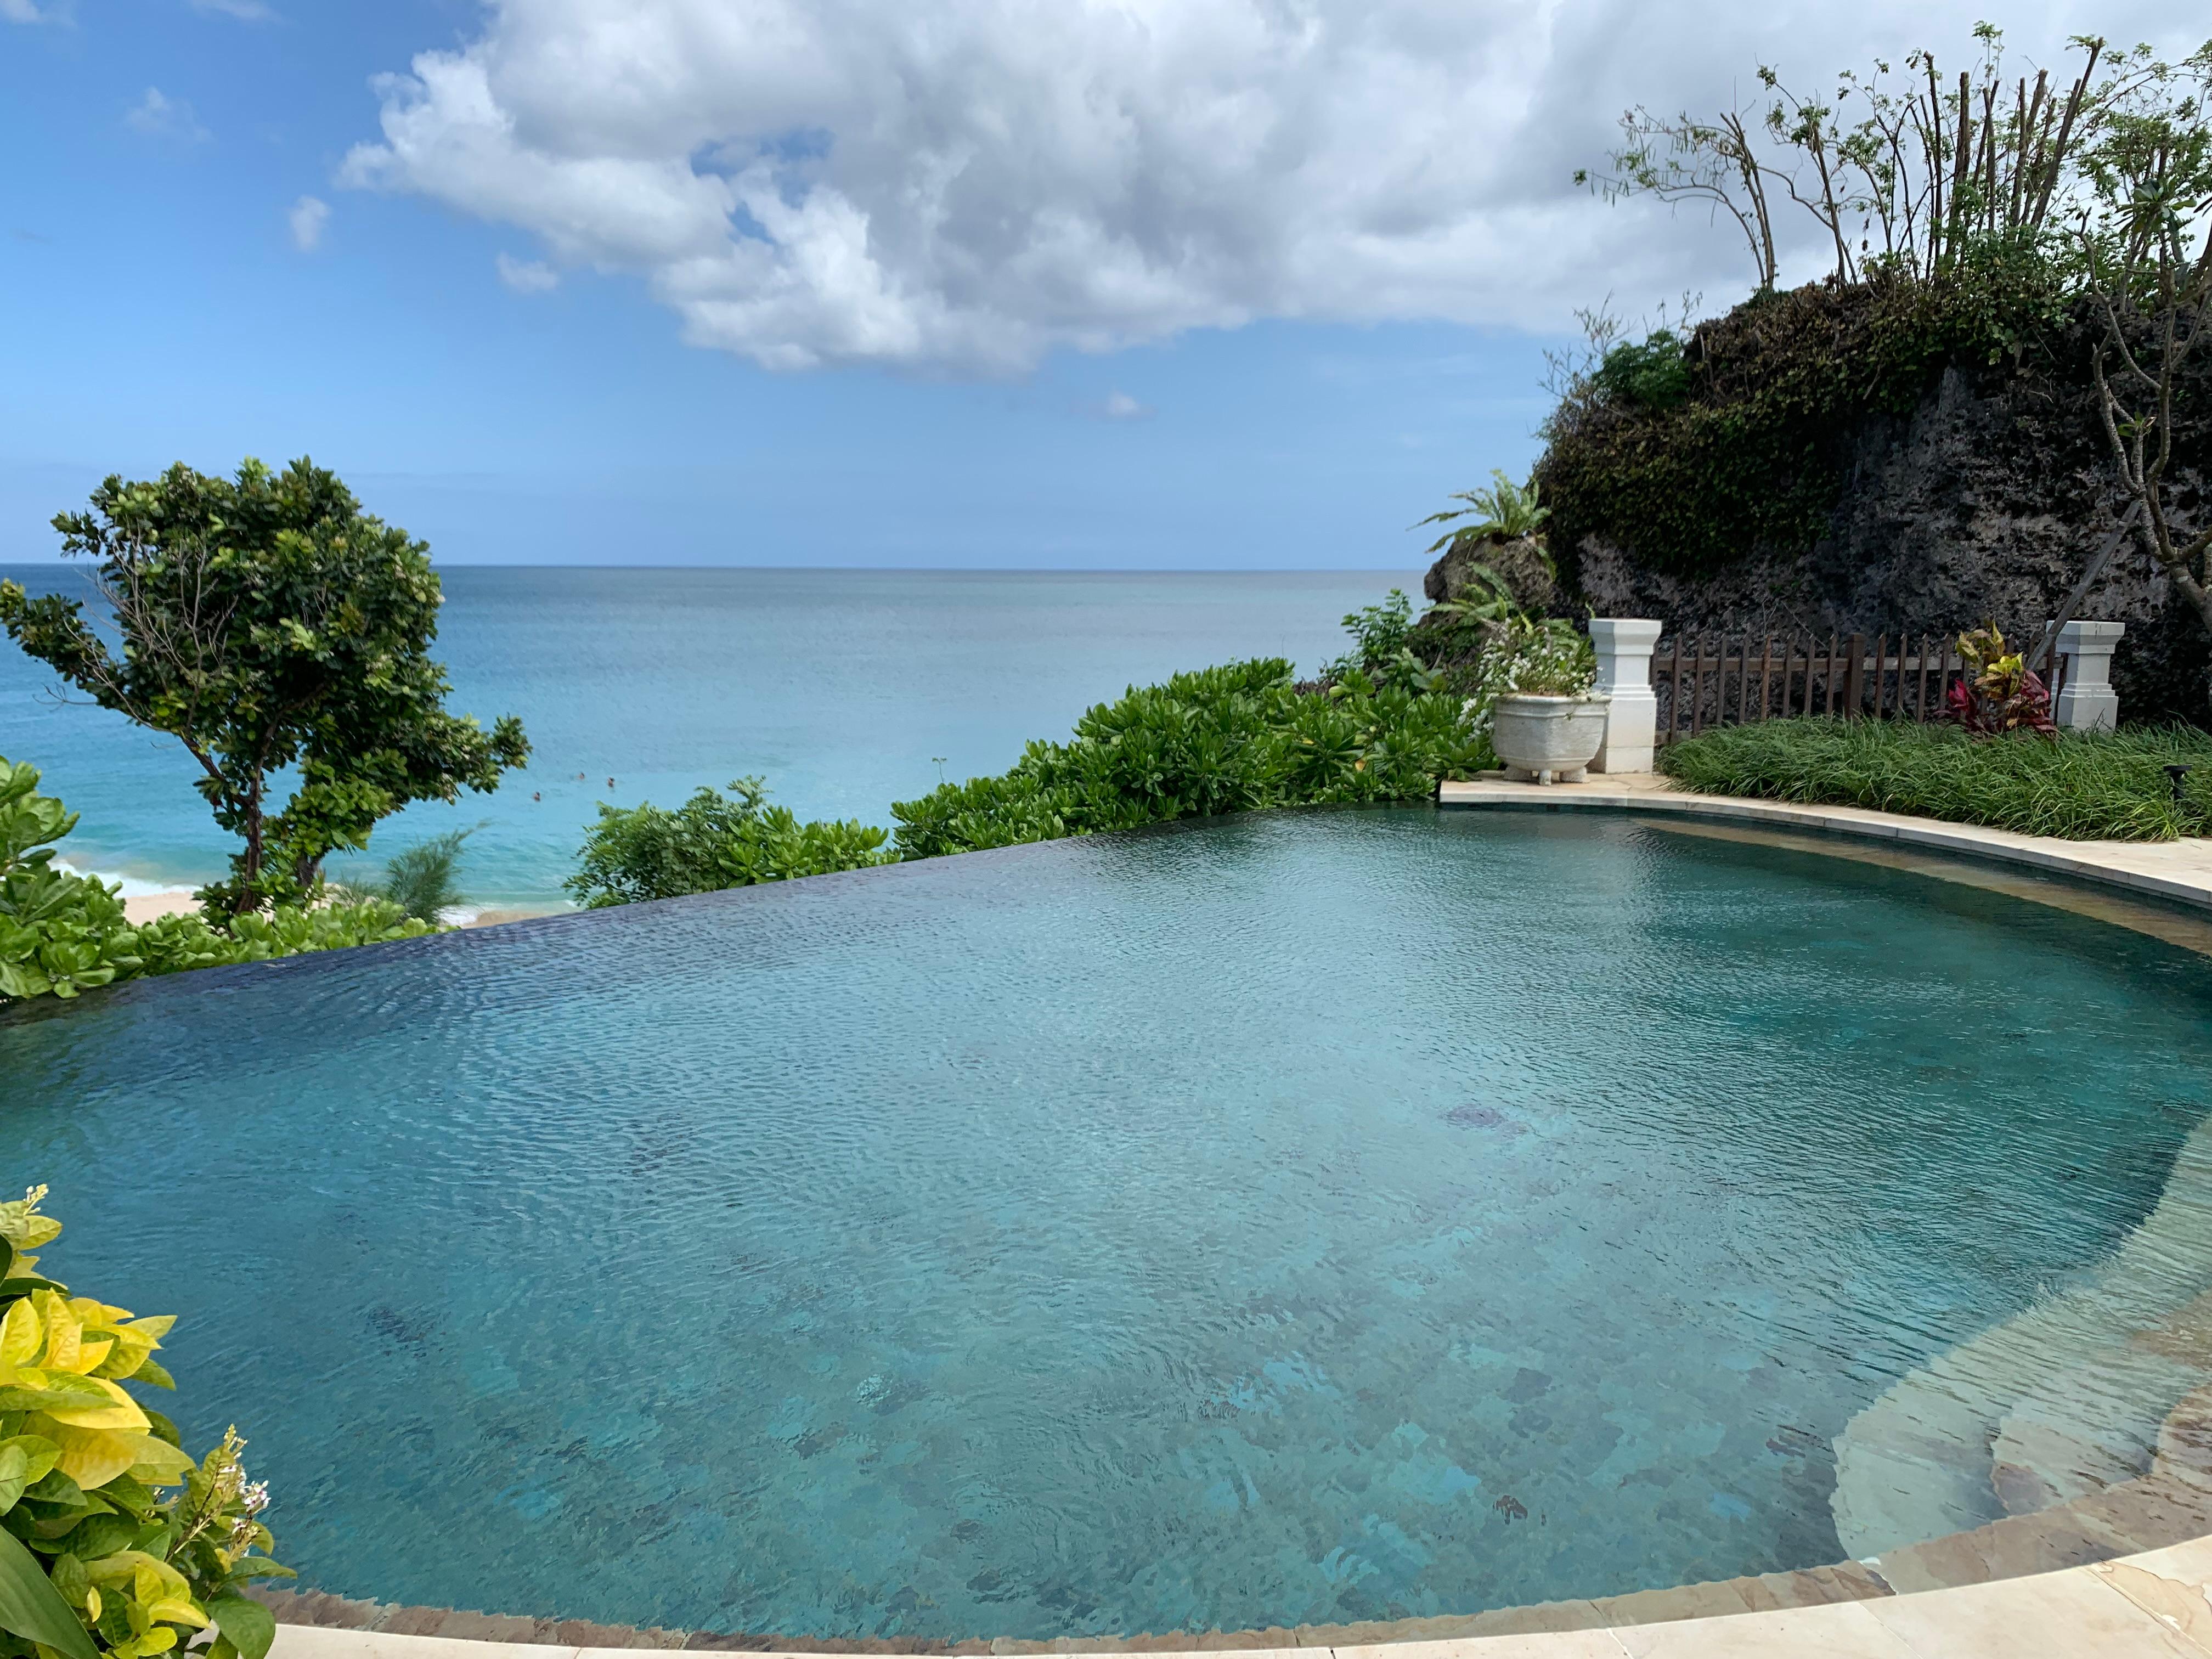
[[151, 907]]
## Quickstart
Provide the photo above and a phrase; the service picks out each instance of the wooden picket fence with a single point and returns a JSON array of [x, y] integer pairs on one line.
[[1704, 682]]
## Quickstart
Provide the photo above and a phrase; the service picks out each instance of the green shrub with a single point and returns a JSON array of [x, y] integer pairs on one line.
[[423, 880], [1381, 637], [1226, 739], [2082, 785], [711, 842], [61, 934], [1647, 375], [1540, 656], [94, 1559]]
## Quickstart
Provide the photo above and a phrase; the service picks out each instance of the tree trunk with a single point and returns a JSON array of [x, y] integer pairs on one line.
[[248, 895]]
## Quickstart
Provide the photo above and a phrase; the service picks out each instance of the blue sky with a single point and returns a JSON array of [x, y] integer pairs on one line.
[[161, 312], [1151, 283]]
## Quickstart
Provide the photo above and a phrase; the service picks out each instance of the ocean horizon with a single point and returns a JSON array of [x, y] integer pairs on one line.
[[845, 687]]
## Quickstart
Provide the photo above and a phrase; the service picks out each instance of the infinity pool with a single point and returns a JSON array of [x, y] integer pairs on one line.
[[1294, 1219]]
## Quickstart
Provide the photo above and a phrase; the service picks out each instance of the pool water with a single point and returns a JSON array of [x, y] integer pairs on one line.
[[1301, 1218]]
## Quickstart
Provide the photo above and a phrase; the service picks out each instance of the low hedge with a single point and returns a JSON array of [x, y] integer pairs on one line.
[[2082, 785]]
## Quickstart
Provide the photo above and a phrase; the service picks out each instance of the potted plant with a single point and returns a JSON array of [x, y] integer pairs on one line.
[[1546, 721]]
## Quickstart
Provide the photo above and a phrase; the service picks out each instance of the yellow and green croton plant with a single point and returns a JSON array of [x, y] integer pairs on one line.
[[113, 1540]]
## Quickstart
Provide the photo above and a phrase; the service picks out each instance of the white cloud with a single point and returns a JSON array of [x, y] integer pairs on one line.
[[19, 11], [1121, 406], [310, 218], [962, 185], [246, 11], [157, 115], [527, 276]]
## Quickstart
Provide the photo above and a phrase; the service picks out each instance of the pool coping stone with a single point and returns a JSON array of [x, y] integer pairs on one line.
[[2180, 870]]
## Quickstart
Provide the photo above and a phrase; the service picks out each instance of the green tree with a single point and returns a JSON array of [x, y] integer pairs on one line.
[[267, 622]]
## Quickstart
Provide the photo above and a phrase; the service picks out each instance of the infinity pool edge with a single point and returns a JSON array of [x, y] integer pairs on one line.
[[2116, 1547]]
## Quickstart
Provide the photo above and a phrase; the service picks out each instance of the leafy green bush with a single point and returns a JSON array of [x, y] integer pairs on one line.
[[1540, 656], [1648, 375], [61, 933], [1226, 739], [710, 842], [2084, 785], [1381, 635], [94, 1559]]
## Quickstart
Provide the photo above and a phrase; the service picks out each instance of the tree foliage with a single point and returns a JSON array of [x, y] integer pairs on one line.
[[1904, 172], [2146, 242], [267, 622]]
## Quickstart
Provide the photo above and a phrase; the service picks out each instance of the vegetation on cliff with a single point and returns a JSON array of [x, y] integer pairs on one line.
[[2016, 233]]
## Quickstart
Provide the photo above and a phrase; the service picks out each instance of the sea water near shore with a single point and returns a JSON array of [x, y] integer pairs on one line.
[[847, 690]]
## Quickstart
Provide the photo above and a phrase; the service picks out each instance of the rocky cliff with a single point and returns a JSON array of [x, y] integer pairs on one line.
[[1986, 501]]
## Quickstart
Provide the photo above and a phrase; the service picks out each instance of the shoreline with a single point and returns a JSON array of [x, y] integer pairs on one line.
[[144, 900]]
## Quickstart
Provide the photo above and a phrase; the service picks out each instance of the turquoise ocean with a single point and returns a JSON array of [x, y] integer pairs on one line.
[[845, 690]]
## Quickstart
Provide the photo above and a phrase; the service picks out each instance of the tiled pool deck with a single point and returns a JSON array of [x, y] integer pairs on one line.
[[2124, 1572]]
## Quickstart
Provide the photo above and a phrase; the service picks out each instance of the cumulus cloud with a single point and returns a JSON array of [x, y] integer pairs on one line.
[[19, 11], [527, 276], [1121, 406], [962, 185], [310, 218], [157, 115]]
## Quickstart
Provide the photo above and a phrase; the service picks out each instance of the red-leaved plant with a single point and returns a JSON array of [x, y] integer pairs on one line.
[[1998, 693]]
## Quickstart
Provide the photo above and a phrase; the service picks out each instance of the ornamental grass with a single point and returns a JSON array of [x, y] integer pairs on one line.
[[2079, 785]]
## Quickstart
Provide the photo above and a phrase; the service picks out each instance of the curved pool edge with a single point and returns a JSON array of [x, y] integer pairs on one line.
[[2119, 1572], [2177, 869], [2122, 1571]]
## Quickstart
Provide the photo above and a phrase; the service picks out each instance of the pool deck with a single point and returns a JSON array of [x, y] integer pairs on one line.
[[2119, 1573], [2142, 1607], [2180, 870]]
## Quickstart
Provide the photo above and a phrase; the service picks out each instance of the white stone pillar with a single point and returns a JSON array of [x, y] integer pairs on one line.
[[1624, 673], [2087, 702]]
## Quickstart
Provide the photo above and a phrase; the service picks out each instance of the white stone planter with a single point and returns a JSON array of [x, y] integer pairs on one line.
[[1548, 739]]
